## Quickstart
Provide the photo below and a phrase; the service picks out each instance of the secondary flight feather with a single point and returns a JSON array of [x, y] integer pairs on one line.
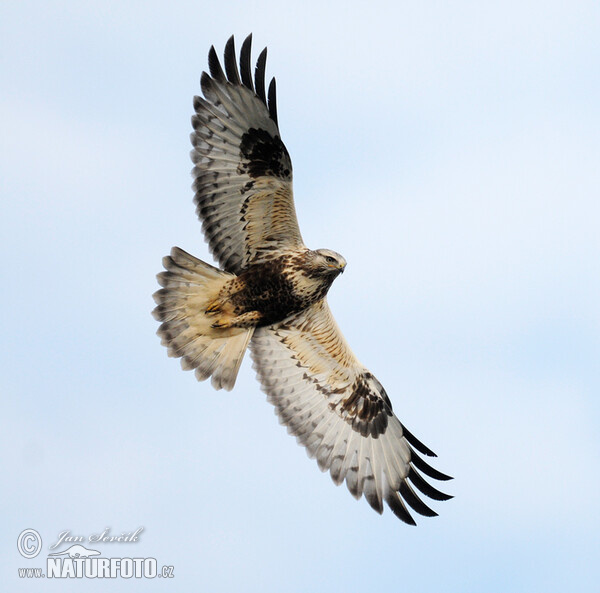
[[269, 293]]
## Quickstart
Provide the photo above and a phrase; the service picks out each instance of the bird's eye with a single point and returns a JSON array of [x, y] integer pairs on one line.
[[329, 259]]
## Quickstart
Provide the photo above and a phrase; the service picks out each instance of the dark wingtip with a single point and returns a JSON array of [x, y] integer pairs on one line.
[[273, 100], [206, 83], [397, 507], [416, 443], [245, 62], [427, 469], [414, 501], [214, 65], [426, 488], [231, 68], [259, 75]]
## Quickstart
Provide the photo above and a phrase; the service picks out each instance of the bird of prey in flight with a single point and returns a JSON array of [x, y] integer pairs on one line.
[[270, 293]]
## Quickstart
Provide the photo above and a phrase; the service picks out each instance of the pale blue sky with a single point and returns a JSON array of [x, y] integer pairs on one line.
[[450, 151]]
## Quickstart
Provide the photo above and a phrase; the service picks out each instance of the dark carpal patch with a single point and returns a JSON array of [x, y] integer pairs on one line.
[[365, 410], [263, 155]]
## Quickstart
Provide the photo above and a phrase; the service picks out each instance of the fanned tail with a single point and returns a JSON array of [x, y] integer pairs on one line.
[[189, 287]]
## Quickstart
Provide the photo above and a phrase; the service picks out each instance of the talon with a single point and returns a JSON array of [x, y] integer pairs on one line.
[[212, 308]]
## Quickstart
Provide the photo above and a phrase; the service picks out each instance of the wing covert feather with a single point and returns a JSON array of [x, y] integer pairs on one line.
[[340, 412]]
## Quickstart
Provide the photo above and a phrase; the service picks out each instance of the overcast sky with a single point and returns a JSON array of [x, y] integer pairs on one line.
[[449, 150]]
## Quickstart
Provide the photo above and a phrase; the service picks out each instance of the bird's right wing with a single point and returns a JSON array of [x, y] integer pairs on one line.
[[242, 170], [341, 413]]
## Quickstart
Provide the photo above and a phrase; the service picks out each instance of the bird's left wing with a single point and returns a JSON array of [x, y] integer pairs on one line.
[[242, 170], [341, 413]]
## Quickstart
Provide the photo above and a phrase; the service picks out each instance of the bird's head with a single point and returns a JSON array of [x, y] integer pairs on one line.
[[326, 262]]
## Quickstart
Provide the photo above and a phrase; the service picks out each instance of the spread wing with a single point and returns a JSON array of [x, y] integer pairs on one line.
[[341, 413], [242, 170]]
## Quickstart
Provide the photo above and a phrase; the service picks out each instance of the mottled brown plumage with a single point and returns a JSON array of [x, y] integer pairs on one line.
[[270, 293]]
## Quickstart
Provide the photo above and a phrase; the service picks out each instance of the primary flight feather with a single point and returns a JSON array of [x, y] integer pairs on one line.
[[270, 293]]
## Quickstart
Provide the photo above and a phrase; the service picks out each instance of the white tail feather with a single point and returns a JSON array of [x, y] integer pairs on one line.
[[189, 287]]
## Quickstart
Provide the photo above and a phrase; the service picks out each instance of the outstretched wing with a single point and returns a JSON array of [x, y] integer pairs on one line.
[[341, 413], [242, 170]]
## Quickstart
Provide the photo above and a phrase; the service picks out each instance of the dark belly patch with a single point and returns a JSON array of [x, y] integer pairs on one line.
[[268, 290]]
